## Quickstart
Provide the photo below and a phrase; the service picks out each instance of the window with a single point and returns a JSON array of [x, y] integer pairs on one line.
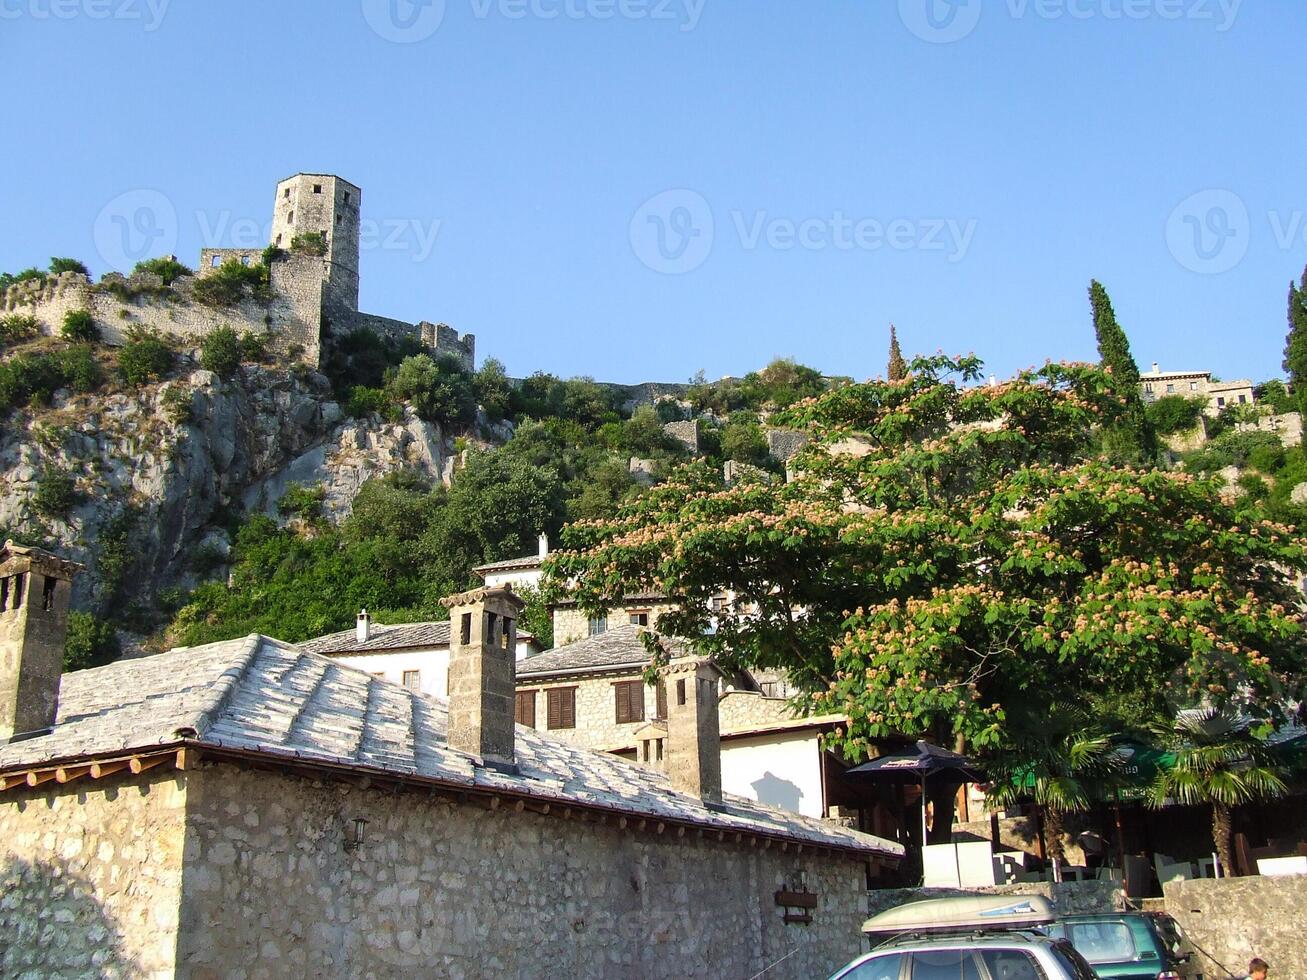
[[1220, 403], [598, 624], [718, 604], [881, 968], [347, 197], [286, 193], [413, 680], [524, 708], [1170, 389], [640, 617], [1243, 399], [1193, 385], [660, 701], [944, 964], [279, 240], [560, 705], [629, 699], [1011, 964], [1103, 942], [1148, 387], [680, 691], [290, 217], [245, 260], [47, 593], [769, 689], [465, 629], [215, 262], [317, 188], [338, 218]]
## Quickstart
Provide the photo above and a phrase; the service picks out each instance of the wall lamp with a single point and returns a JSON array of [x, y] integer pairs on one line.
[[353, 843]]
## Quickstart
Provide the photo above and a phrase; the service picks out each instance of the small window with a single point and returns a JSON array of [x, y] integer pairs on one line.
[[279, 240], [317, 188], [769, 689], [47, 593], [1170, 389], [561, 707], [1220, 403], [640, 617], [465, 629], [215, 262], [286, 194], [339, 217], [628, 697], [680, 691], [413, 680], [598, 624], [245, 260], [347, 197], [1148, 387], [524, 708], [718, 604], [1243, 399], [290, 217], [1193, 385]]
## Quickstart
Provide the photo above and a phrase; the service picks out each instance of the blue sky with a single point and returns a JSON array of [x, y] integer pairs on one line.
[[639, 189]]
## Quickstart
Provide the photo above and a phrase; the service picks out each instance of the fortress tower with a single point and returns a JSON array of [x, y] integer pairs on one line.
[[329, 205]]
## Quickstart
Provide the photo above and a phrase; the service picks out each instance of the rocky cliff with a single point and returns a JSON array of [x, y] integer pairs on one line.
[[141, 485]]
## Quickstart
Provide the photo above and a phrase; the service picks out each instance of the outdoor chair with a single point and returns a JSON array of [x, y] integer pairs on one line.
[[1169, 869]]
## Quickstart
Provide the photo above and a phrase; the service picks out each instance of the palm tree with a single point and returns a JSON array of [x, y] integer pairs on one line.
[[1219, 762], [1063, 762]]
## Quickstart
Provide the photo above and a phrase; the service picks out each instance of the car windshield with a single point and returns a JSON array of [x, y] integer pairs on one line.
[[1103, 942], [1075, 964]]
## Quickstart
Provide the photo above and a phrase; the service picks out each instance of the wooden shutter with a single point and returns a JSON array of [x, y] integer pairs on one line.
[[524, 710], [636, 697], [660, 701], [629, 697], [560, 707]]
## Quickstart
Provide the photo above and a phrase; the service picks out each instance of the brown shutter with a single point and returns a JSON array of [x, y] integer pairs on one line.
[[560, 706], [660, 701], [623, 702], [554, 708], [524, 711], [636, 698], [569, 708]]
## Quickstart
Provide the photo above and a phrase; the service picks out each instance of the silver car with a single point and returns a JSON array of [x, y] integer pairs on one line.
[[995, 956]]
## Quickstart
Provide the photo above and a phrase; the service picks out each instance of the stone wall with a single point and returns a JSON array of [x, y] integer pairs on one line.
[[685, 432], [785, 444], [90, 877], [1231, 920], [571, 624], [445, 890], [1068, 897]]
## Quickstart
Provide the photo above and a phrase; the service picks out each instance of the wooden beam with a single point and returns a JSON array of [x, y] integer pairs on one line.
[[35, 778], [187, 758], [101, 769], [66, 774], [140, 764], [660, 828], [621, 823], [519, 806]]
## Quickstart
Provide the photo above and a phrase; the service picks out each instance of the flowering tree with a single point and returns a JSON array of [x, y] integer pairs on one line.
[[951, 557]]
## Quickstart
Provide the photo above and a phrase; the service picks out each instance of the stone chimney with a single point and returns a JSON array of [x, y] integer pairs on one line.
[[1157, 368], [363, 628], [693, 753], [483, 672], [35, 587], [544, 545]]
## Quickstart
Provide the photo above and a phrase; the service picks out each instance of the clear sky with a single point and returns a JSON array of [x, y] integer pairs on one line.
[[638, 189]]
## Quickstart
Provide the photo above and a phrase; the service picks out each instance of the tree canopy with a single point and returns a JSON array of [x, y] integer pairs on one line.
[[949, 553]]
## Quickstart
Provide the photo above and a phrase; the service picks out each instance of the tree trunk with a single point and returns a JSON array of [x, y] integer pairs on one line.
[[1222, 831], [942, 800], [1053, 832]]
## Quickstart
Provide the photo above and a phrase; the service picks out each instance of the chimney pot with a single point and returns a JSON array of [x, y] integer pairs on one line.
[[35, 589], [483, 672], [363, 628], [544, 545], [1156, 368]]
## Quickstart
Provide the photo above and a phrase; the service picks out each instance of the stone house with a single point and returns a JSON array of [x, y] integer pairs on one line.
[[521, 573], [639, 609], [250, 809], [1218, 395], [414, 655]]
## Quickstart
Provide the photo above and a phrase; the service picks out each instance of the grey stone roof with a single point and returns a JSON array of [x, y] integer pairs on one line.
[[263, 697], [527, 561], [618, 647], [382, 638]]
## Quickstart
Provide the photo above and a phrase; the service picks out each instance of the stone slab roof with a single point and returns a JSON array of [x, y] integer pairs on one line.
[[651, 596], [385, 638], [528, 561], [258, 696], [618, 647]]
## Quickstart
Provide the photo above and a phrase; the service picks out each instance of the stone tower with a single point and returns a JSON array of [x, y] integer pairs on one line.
[[35, 587], [328, 205], [483, 672], [693, 754]]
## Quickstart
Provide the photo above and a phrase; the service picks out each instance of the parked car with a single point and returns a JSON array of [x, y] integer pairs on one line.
[[980, 938], [1127, 945]]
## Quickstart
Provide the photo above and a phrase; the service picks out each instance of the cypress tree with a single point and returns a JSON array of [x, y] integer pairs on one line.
[[1295, 347], [1136, 438], [898, 367]]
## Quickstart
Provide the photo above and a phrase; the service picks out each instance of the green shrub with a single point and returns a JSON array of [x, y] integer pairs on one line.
[[34, 378], [167, 268], [8, 279], [254, 347], [220, 352], [1234, 449], [58, 265], [17, 327], [79, 326], [90, 642], [145, 356], [309, 243], [231, 283], [79, 368], [273, 253], [1175, 413], [302, 502], [363, 401], [441, 390], [56, 494], [177, 401]]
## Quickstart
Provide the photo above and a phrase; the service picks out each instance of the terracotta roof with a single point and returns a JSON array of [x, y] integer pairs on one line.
[[405, 636], [620, 646], [263, 699]]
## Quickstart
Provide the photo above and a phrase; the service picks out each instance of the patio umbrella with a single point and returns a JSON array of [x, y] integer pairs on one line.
[[929, 762]]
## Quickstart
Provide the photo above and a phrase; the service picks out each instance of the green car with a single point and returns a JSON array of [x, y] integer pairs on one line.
[[1126, 945]]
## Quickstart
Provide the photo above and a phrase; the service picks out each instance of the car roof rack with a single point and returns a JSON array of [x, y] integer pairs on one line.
[[968, 916]]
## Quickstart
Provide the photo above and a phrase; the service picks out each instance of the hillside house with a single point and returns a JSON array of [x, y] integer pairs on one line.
[[1217, 395], [248, 808]]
